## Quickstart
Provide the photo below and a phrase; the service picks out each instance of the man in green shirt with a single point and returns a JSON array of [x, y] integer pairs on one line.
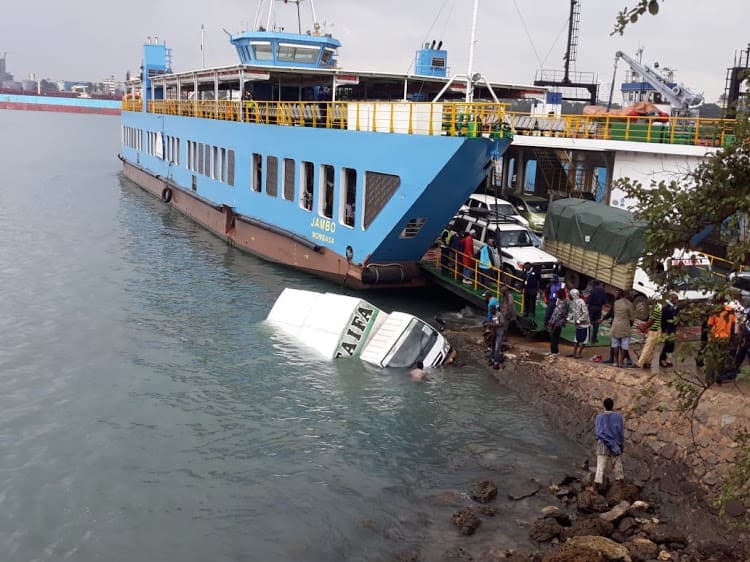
[[652, 330]]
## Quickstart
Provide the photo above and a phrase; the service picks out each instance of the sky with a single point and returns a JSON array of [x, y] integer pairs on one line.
[[91, 39]]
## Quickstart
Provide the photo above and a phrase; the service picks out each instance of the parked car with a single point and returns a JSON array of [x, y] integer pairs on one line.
[[514, 244], [532, 207], [741, 282], [495, 208]]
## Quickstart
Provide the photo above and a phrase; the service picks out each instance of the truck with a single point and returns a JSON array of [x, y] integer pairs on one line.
[[595, 241], [337, 326]]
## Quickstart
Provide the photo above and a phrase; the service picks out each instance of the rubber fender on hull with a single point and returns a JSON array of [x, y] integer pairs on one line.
[[166, 194], [375, 274]]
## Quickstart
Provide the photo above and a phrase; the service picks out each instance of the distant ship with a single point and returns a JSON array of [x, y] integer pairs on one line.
[[26, 96], [345, 174]]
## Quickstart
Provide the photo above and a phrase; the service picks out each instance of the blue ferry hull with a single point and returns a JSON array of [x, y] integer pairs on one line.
[[435, 176]]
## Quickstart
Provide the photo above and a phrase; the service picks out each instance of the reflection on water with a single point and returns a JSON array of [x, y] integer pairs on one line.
[[147, 413]]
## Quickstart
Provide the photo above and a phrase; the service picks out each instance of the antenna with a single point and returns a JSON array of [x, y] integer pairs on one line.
[[573, 26], [203, 49], [470, 83]]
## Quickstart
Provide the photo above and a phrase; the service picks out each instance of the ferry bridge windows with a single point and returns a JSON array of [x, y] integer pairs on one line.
[[379, 188], [272, 172], [307, 176], [289, 52], [262, 50], [347, 196], [325, 206], [213, 161], [256, 172], [288, 193]]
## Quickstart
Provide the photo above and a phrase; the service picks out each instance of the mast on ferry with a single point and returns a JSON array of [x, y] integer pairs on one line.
[[269, 15]]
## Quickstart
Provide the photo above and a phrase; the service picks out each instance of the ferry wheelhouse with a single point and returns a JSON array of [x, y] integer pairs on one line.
[[348, 175]]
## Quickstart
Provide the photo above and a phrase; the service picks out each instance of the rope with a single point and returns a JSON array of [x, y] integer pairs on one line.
[[526, 29]]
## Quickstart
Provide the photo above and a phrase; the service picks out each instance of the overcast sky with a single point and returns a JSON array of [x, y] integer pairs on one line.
[[91, 39]]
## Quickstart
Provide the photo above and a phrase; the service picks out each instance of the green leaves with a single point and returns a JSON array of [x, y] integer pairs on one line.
[[631, 15]]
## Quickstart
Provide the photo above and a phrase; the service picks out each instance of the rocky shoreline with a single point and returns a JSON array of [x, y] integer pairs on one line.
[[665, 510]]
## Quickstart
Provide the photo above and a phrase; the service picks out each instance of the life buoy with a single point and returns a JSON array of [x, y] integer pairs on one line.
[[166, 194]]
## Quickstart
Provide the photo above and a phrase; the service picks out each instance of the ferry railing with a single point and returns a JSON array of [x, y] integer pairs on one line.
[[427, 118], [667, 130], [451, 263]]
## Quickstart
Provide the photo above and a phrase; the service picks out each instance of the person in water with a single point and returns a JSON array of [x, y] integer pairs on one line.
[[418, 373]]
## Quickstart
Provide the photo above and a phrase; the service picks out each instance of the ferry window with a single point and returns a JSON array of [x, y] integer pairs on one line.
[[289, 52], [325, 204], [272, 172], [257, 172], [327, 55], [348, 195], [262, 50], [216, 165], [529, 176], [306, 184], [288, 179], [412, 228], [223, 157], [200, 158], [177, 151], [207, 160], [379, 188], [511, 178], [230, 167]]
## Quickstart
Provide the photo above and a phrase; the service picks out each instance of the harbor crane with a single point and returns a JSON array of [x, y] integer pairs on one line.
[[680, 98]]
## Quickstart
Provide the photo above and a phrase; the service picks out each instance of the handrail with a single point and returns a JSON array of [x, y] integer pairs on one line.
[[697, 131], [456, 119]]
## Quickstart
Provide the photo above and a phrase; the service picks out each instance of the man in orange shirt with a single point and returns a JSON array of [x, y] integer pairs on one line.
[[720, 337]]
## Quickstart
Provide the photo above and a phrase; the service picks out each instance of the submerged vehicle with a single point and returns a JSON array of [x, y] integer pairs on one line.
[[346, 174], [338, 326]]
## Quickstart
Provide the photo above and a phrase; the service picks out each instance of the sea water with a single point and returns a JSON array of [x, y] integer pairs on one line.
[[148, 413]]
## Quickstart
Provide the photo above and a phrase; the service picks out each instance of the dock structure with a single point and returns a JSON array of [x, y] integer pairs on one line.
[[446, 270]]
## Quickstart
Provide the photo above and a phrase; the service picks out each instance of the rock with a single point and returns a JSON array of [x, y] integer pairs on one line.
[[588, 527], [590, 502], [666, 534], [664, 555], [627, 526], [552, 512], [523, 489], [710, 478], [543, 530], [487, 510], [668, 451], [642, 550], [574, 554], [609, 548], [466, 521], [483, 491], [622, 490], [616, 512], [734, 508]]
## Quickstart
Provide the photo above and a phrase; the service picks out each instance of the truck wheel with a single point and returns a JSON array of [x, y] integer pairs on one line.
[[572, 279], [640, 304]]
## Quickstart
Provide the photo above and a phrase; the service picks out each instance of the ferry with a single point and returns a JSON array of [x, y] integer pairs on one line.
[[346, 174]]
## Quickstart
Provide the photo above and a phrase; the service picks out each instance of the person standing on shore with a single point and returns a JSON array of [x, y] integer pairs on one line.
[[669, 330], [530, 290], [597, 298], [622, 314], [558, 318], [609, 428], [498, 332], [652, 331], [579, 315]]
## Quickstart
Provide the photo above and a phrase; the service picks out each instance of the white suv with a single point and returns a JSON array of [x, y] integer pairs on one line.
[[514, 244], [494, 207]]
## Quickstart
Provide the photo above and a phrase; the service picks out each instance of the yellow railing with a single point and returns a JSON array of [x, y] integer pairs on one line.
[[674, 130], [445, 118], [450, 262]]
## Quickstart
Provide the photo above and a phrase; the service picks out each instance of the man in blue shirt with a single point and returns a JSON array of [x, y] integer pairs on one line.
[[491, 301], [610, 440]]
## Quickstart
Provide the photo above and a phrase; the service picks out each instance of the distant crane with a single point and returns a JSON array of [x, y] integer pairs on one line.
[[680, 98]]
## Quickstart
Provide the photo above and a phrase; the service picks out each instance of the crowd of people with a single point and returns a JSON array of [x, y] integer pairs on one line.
[[727, 329]]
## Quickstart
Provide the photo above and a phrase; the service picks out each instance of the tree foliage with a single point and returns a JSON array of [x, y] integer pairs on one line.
[[631, 15]]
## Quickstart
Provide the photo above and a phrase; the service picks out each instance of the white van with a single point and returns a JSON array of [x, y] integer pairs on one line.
[[342, 326]]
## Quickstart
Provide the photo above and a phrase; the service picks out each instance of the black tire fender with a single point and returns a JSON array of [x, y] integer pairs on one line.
[[166, 194]]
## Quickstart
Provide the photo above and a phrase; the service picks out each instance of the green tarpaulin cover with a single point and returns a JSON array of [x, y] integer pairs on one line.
[[596, 227]]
